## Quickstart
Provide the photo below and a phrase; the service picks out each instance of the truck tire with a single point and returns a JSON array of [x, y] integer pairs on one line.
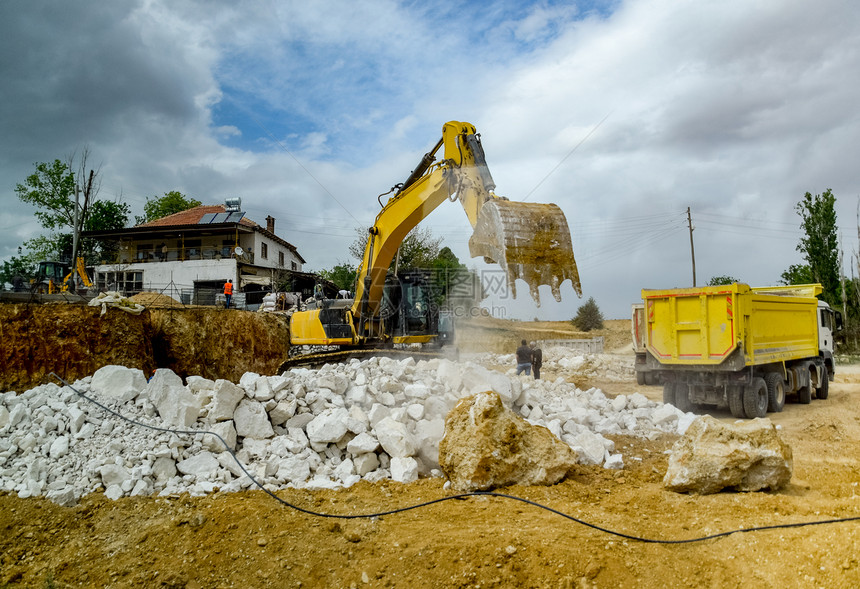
[[824, 390], [682, 397], [755, 398], [804, 394], [640, 378], [735, 396], [775, 392], [669, 393]]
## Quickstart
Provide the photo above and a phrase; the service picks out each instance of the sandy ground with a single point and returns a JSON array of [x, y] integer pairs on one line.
[[250, 540]]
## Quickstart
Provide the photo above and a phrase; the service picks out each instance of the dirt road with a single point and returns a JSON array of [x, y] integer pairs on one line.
[[250, 540]]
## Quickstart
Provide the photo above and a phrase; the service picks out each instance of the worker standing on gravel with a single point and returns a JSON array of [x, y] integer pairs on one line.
[[537, 360], [228, 293], [524, 358]]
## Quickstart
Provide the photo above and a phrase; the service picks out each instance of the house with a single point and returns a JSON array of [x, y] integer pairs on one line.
[[191, 254]]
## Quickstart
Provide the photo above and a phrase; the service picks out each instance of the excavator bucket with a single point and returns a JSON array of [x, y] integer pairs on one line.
[[528, 240]]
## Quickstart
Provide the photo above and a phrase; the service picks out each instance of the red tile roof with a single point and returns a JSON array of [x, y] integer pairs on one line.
[[192, 217]]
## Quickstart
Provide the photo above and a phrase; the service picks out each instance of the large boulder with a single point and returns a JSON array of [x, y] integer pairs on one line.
[[711, 456], [119, 382], [175, 404], [486, 445]]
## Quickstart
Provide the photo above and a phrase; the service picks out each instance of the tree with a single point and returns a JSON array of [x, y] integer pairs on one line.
[[819, 245], [158, 207], [721, 280], [417, 251], [343, 275], [588, 316], [17, 267], [51, 188]]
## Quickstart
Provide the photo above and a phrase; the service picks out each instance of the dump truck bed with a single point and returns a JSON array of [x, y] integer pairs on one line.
[[752, 326]]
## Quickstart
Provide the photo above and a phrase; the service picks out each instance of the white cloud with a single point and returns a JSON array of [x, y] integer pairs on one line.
[[734, 109]]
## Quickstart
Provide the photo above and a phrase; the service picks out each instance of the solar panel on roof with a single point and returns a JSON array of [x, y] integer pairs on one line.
[[235, 217], [206, 219], [220, 218]]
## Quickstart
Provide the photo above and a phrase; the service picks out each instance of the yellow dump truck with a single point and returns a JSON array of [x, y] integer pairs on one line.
[[736, 346]]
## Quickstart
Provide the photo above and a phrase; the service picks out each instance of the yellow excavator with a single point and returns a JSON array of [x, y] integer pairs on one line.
[[56, 277], [530, 241]]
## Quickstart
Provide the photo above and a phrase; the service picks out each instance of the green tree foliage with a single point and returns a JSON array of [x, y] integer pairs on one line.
[[17, 266], [797, 274], [158, 207], [343, 275], [51, 189], [417, 251], [721, 280], [588, 316], [819, 245]]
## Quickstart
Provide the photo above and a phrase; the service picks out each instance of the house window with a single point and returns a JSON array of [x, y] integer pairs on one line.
[[144, 252], [294, 266], [281, 259], [264, 251], [192, 249]]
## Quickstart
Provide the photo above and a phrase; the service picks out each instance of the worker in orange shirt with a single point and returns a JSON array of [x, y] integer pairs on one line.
[[228, 292]]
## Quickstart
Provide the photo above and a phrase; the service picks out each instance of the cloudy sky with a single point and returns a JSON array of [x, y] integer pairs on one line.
[[623, 112]]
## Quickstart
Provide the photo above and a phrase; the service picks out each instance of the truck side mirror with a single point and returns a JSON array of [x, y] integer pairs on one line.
[[838, 320]]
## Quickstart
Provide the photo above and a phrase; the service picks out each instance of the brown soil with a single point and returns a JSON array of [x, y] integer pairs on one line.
[[250, 540], [74, 341]]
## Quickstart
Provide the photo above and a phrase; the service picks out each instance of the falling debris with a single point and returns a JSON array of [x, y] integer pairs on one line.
[[530, 241]]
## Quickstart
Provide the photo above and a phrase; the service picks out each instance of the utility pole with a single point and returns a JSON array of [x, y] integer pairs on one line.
[[692, 249], [75, 229]]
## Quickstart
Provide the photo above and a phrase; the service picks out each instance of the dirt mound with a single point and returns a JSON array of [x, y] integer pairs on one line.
[[155, 300], [502, 336], [74, 341]]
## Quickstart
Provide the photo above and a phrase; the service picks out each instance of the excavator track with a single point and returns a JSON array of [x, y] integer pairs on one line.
[[339, 356]]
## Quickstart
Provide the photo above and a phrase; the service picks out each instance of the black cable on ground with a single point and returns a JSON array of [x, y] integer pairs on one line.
[[449, 497]]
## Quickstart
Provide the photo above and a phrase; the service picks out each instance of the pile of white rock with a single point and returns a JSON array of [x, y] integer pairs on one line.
[[324, 428], [559, 360]]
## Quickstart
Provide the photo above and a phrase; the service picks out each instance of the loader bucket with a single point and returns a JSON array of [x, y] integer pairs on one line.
[[530, 241]]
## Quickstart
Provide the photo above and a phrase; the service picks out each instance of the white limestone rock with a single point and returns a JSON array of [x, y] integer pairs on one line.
[[225, 398], [404, 469], [365, 463], [362, 444], [201, 465], [251, 420], [226, 430], [174, 403], [329, 426], [395, 438], [118, 382]]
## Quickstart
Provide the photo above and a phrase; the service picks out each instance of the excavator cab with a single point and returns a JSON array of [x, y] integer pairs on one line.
[[407, 309], [50, 276]]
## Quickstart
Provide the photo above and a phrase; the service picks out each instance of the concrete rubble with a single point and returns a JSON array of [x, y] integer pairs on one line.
[[712, 456], [374, 419]]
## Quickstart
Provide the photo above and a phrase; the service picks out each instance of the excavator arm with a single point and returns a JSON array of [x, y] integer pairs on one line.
[[530, 241]]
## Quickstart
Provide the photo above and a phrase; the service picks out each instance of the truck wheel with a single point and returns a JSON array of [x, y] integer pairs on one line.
[[682, 397], [755, 398], [775, 392], [736, 401], [669, 393], [804, 394], [640, 378], [824, 390]]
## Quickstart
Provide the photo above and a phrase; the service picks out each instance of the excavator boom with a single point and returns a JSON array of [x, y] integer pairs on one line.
[[530, 241]]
